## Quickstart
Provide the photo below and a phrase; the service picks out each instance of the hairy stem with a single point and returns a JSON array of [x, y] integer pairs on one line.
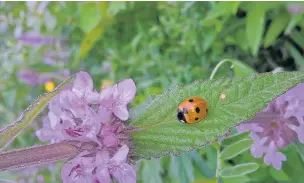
[[38, 155]]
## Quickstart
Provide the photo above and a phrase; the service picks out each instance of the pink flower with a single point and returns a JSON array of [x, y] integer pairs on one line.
[[115, 98], [99, 167], [81, 113], [277, 126]]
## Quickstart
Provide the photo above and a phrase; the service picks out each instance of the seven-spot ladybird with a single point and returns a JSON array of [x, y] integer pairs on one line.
[[192, 110]]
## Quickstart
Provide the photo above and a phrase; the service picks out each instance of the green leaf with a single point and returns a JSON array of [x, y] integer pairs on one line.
[[223, 8], [295, 54], [116, 7], [239, 170], [236, 149], [8, 133], [151, 172], [255, 23], [94, 34], [160, 133], [276, 27], [234, 138], [90, 16], [295, 19], [198, 160], [294, 166], [240, 69], [182, 168]]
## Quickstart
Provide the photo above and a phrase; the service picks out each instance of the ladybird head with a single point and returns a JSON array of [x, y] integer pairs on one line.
[[180, 116]]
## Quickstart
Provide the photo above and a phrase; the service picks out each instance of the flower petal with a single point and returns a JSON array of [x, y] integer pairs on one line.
[[121, 112], [127, 90], [121, 155]]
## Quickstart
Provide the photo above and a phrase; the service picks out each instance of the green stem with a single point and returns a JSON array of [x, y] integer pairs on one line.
[[217, 67]]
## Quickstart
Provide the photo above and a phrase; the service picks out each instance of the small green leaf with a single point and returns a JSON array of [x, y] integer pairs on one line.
[[295, 19], [8, 133], [276, 27], [236, 149], [255, 23], [234, 138], [90, 15], [223, 8], [160, 133], [239, 170]]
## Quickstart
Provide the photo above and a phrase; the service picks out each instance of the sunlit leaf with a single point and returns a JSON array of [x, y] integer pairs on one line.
[[255, 23], [160, 133], [90, 15], [223, 8], [276, 27], [239, 170], [8, 133], [236, 149]]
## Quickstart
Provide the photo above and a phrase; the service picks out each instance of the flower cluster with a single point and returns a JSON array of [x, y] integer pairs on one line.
[[81, 113], [277, 126]]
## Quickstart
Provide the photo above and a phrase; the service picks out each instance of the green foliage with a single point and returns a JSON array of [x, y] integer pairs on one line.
[[234, 138], [255, 23], [159, 45], [239, 170], [159, 133], [236, 149]]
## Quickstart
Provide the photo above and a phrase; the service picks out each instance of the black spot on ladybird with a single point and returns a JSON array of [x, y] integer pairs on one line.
[[196, 119], [197, 109], [191, 100]]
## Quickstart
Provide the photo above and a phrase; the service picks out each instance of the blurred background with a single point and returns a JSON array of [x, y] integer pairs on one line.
[[158, 44]]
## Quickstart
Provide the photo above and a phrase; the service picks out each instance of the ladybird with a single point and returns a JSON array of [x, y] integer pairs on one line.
[[192, 110]]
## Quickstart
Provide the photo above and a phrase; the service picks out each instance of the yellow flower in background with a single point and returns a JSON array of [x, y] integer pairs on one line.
[[49, 86], [106, 83]]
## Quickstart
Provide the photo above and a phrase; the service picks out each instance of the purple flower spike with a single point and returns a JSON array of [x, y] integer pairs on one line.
[[277, 126], [35, 39], [81, 113], [115, 98], [28, 76]]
